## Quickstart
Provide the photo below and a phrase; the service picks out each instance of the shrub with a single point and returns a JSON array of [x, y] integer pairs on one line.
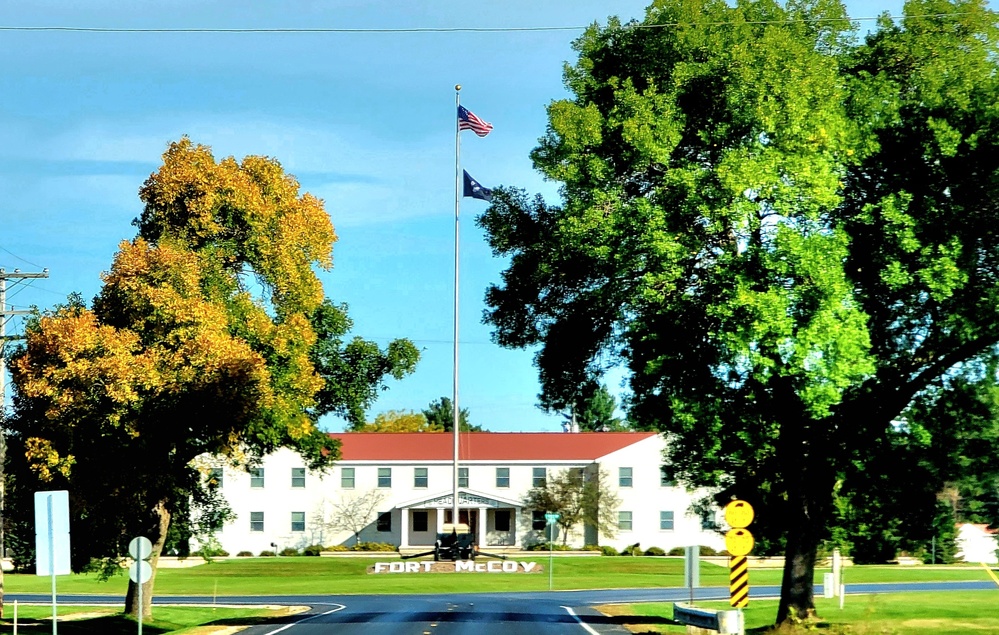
[[267, 553], [592, 547], [677, 551], [607, 550], [543, 546], [244, 554], [290, 551], [632, 550], [312, 550], [337, 548], [373, 546], [654, 551], [708, 551]]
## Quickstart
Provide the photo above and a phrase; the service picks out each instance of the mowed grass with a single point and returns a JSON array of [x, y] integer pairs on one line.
[[338, 576], [106, 620], [918, 613]]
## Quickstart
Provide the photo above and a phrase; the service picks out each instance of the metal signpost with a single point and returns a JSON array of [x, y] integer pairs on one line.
[[550, 518], [140, 549]]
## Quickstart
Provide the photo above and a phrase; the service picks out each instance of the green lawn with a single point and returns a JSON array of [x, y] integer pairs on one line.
[[80, 620], [948, 613], [303, 575]]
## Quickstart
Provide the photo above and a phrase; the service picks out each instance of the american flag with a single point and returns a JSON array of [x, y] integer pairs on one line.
[[468, 121]]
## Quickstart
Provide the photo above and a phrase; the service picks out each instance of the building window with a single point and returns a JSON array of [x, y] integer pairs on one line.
[[298, 521], [624, 521], [420, 520], [666, 521], [538, 521], [539, 477], [624, 477], [420, 477], [347, 478], [462, 477], [708, 520], [502, 477], [665, 478], [384, 521], [256, 477], [256, 521], [502, 517], [215, 477], [384, 477], [298, 477]]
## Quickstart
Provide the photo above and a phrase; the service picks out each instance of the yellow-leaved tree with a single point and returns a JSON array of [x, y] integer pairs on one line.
[[211, 335]]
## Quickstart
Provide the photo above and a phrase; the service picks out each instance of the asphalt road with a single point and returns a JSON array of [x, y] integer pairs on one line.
[[541, 613]]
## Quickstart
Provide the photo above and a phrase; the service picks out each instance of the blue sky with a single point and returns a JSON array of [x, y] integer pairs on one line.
[[364, 120]]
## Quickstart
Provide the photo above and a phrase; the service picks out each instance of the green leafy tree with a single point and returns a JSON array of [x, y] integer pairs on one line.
[[398, 421], [596, 413], [579, 498], [440, 414], [178, 358], [786, 236]]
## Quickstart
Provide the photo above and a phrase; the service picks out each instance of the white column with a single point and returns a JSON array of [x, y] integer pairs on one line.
[[482, 527], [514, 520], [440, 521], [404, 528]]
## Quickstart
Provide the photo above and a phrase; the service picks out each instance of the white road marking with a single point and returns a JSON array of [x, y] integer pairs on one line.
[[311, 617], [579, 621]]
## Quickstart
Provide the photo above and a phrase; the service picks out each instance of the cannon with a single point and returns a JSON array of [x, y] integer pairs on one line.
[[459, 544]]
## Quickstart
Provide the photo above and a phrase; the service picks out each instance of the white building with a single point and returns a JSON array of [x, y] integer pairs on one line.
[[410, 474], [977, 543]]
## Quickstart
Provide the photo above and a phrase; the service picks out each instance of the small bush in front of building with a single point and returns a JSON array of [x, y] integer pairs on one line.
[[267, 553], [543, 546], [244, 554], [677, 551], [337, 548], [607, 550], [373, 546], [708, 551], [290, 551], [592, 547], [632, 550], [312, 550], [654, 551]]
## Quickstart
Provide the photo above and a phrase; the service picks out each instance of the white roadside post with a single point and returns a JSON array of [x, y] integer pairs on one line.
[[550, 518], [140, 549], [52, 539]]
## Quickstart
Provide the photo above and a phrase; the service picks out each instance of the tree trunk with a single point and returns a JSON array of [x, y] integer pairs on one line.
[[157, 535], [797, 597]]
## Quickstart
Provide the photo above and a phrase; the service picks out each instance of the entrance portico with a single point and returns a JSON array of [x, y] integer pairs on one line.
[[493, 520]]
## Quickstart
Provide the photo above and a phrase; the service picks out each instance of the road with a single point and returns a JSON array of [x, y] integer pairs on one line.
[[541, 613]]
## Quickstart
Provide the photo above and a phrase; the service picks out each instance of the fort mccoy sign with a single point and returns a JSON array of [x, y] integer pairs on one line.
[[458, 566]]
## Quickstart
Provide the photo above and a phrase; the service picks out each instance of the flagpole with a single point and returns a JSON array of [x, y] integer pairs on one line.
[[457, 209]]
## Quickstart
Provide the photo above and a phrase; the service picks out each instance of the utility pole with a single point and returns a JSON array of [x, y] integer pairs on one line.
[[5, 315]]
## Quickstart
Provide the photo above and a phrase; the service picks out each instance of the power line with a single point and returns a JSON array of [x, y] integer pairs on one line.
[[460, 29]]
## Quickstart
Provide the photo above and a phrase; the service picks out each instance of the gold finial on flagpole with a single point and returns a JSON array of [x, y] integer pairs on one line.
[[457, 86]]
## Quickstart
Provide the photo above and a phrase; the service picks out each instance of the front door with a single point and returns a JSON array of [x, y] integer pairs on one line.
[[468, 517]]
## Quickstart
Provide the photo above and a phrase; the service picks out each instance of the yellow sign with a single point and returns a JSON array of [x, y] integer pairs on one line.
[[739, 542], [739, 514]]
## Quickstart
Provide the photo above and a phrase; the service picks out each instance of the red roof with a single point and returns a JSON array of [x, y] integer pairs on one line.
[[484, 446]]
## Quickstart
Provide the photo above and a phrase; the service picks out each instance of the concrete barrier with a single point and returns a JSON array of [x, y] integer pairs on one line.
[[709, 621]]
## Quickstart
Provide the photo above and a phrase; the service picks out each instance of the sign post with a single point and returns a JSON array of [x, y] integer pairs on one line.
[[739, 543], [550, 518], [140, 549], [52, 539]]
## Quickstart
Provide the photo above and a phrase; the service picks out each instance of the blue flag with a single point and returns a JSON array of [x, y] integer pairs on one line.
[[474, 190]]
